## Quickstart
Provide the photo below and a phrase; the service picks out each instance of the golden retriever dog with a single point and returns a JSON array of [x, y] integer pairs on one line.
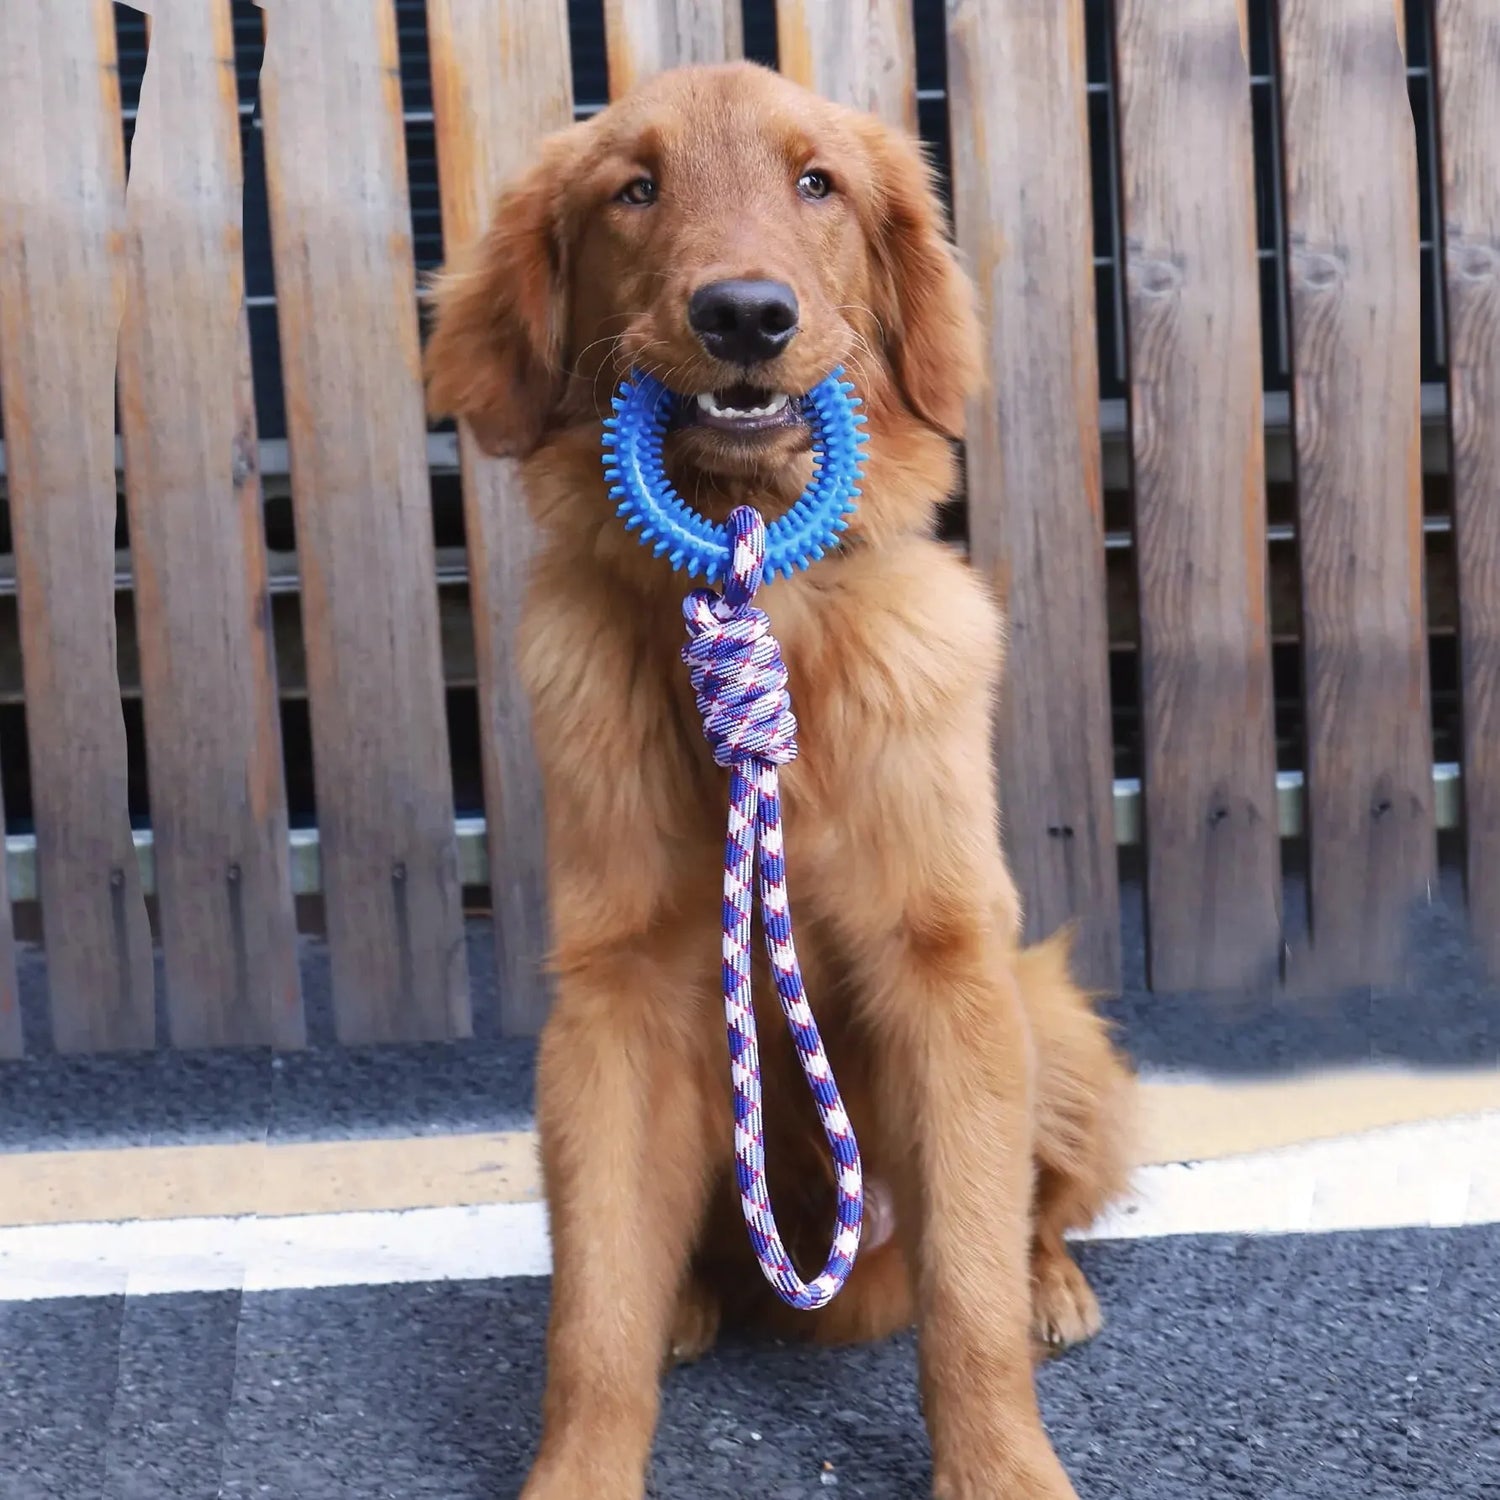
[[740, 237]]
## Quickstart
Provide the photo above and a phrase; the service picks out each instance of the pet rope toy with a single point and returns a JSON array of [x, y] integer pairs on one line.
[[740, 682]]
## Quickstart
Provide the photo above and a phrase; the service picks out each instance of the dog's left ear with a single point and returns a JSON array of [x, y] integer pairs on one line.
[[495, 353], [924, 299]]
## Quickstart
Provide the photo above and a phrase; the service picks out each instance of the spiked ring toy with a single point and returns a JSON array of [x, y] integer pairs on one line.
[[633, 436]]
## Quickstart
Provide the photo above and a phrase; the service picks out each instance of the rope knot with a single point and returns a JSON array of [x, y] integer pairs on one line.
[[738, 676], [739, 680]]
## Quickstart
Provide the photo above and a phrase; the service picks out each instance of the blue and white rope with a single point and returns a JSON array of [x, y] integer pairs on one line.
[[741, 685]]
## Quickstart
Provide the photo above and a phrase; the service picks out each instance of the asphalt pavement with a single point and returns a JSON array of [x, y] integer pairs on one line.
[[1339, 1367]]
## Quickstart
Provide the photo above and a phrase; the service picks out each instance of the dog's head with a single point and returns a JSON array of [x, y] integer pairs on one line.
[[736, 236]]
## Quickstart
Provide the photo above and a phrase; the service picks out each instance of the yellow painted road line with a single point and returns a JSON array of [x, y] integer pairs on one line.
[[1205, 1120], [305, 1177]]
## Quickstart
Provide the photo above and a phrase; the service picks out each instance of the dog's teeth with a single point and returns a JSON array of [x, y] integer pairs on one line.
[[710, 406]]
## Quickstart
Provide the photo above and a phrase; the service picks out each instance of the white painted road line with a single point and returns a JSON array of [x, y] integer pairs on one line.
[[260, 1255], [1435, 1173]]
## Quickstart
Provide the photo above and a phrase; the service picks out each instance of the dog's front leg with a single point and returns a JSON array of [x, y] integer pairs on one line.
[[926, 910], [955, 1075], [627, 1144]]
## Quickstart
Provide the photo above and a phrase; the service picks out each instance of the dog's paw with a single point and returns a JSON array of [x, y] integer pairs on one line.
[[695, 1326], [581, 1481], [1007, 1477], [1064, 1309]]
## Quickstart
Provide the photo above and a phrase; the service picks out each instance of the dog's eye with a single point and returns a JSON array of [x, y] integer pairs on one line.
[[814, 185], [639, 193]]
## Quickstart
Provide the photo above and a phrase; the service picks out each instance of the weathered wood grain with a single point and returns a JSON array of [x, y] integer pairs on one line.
[[1016, 78], [645, 37], [1213, 856], [493, 102], [1351, 209], [213, 734], [61, 230], [346, 305], [860, 54], [1468, 78]]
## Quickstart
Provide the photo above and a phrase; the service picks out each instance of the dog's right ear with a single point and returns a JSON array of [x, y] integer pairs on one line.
[[494, 358]]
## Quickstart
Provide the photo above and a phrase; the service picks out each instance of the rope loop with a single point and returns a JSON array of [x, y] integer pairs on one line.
[[740, 682]]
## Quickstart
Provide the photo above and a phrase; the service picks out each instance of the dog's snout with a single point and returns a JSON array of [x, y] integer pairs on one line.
[[744, 322]]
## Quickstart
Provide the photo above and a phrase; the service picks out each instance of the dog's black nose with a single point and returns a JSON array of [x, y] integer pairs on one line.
[[744, 322]]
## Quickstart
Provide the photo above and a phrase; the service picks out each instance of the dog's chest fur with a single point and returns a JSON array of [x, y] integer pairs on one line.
[[882, 651]]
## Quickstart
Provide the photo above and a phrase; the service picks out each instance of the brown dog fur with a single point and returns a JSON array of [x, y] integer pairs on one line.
[[989, 1102]]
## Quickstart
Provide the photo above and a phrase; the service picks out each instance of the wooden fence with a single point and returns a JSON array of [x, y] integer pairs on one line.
[[139, 290]]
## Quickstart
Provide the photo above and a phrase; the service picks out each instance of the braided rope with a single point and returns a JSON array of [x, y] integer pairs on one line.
[[740, 682]]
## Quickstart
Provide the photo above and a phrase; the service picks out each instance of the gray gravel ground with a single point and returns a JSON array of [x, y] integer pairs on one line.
[[1341, 1367]]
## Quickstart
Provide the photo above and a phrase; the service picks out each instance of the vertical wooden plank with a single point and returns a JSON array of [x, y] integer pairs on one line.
[[645, 37], [1468, 58], [1351, 209], [494, 100], [61, 229], [863, 55], [213, 736], [346, 304], [1016, 79], [1213, 856]]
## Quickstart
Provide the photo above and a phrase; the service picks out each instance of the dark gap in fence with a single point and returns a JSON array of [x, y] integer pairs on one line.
[[931, 48], [296, 750], [130, 53], [1125, 710], [1109, 292], [138, 789], [281, 525], [424, 186], [1419, 23], [1118, 502], [758, 18], [463, 736], [590, 69], [930, 40], [130, 49], [1287, 660], [260, 277], [15, 764]]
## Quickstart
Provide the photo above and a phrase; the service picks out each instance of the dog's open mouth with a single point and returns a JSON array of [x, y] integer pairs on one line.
[[741, 408]]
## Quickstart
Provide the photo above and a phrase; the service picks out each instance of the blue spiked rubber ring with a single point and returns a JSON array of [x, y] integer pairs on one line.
[[663, 521]]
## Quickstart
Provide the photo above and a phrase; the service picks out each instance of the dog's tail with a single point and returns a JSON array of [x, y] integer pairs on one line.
[[1085, 1091]]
